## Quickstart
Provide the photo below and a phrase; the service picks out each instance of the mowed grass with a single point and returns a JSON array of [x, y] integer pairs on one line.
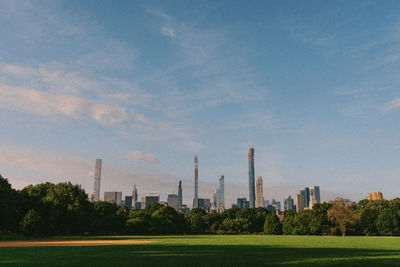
[[217, 250]]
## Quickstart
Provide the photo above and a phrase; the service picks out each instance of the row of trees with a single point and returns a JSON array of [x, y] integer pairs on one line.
[[64, 209]]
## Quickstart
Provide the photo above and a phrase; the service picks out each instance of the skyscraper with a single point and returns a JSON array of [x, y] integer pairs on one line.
[[196, 182], [180, 194], [128, 202], [259, 192], [134, 196], [300, 201], [252, 190], [317, 194], [221, 195], [242, 203], [173, 201], [151, 198], [306, 197], [113, 197], [97, 178], [289, 204]]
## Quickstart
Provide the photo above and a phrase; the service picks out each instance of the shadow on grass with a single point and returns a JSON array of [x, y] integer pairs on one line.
[[196, 255]]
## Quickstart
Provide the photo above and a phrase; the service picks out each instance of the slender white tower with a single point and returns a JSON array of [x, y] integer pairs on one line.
[[196, 182], [97, 178], [259, 192]]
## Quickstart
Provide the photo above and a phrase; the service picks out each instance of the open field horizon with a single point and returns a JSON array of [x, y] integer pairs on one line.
[[214, 250]]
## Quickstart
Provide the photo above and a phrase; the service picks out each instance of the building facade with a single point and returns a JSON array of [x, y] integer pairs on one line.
[[221, 195], [180, 194], [375, 196], [173, 201], [97, 178], [113, 197], [289, 204], [300, 202], [196, 182], [259, 192], [128, 202], [252, 190], [150, 199], [242, 203]]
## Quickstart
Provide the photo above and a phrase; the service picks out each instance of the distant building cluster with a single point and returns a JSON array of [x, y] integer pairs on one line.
[[304, 200]]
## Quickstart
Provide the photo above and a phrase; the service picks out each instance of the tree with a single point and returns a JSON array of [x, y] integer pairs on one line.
[[288, 224], [343, 218], [8, 206], [106, 220], [31, 223], [369, 215], [388, 222], [272, 225], [166, 220], [196, 222]]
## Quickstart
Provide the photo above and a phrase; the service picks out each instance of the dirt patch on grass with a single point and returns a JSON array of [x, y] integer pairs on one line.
[[68, 243]]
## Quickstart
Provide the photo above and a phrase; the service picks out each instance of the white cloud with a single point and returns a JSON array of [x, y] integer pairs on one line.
[[392, 105], [44, 103], [168, 31], [139, 156]]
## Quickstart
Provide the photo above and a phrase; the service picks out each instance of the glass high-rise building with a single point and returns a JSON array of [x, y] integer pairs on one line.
[[128, 202], [242, 203], [221, 194], [306, 197], [252, 190], [317, 194]]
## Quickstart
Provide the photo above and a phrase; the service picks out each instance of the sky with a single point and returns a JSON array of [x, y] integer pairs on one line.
[[146, 85]]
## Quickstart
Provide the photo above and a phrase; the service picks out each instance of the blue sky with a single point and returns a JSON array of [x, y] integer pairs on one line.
[[144, 85]]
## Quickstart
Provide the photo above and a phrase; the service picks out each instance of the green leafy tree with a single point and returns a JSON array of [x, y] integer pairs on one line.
[[8, 206], [288, 223], [196, 221], [31, 223], [166, 220], [388, 222], [106, 220], [369, 215], [272, 225]]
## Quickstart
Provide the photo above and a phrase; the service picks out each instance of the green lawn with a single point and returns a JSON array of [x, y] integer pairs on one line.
[[214, 250]]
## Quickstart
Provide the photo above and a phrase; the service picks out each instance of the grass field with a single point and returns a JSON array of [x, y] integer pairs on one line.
[[213, 250]]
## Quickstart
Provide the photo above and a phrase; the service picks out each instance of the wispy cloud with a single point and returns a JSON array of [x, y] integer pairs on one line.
[[142, 157], [168, 31], [392, 105]]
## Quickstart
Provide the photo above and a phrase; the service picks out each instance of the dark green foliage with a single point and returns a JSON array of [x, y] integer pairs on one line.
[[272, 225], [156, 219], [8, 206], [106, 220], [197, 221], [63, 209], [369, 215], [388, 222], [31, 223]]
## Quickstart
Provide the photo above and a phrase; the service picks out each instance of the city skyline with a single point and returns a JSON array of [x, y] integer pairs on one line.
[[313, 86]]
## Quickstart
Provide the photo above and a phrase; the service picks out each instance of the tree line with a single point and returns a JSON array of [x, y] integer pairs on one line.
[[63, 209]]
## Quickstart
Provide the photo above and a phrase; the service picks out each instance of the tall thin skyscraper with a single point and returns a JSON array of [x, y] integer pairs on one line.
[[259, 192], [306, 197], [252, 190], [317, 194], [180, 194], [221, 195], [97, 178], [196, 182], [134, 196]]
